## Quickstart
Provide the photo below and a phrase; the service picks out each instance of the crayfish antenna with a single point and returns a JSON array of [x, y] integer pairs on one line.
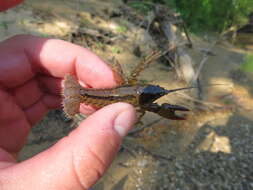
[[71, 97], [178, 89]]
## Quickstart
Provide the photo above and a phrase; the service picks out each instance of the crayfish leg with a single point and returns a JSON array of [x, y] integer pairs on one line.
[[118, 73], [142, 65], [141, 113]]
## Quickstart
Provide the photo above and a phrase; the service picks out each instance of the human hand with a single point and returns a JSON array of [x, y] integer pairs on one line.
[[6, 4], [31, 70]]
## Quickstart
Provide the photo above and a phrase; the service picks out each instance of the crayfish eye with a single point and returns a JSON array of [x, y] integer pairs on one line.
[[150, 93]]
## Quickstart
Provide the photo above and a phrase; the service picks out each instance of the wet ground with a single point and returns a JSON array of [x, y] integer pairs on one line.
[[212, 149]]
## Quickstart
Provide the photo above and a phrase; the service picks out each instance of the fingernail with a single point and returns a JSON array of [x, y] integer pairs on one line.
[[124, 122]]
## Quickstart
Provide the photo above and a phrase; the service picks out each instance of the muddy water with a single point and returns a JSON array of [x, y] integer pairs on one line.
[[212, 149]]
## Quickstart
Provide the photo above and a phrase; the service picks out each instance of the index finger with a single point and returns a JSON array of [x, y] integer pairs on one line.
[[58, 58]]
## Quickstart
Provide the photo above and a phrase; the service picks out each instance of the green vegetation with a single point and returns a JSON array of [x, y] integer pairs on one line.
[[142, 6], [205, 15], [121, 29], [215, 15], [116, 50], [248, 63], [100, 45], [5, 24]]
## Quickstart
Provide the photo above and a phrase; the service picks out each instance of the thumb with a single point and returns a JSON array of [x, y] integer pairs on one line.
[[78, 160]]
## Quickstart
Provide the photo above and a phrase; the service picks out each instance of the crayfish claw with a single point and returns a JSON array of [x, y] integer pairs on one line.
[[174, 116], [169, 111], [166, 110], [174, 107]]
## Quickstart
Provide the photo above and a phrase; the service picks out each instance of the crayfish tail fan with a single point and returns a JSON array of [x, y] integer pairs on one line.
[[71, 97]]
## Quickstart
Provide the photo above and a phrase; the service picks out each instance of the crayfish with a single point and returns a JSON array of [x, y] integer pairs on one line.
[[141, 96]]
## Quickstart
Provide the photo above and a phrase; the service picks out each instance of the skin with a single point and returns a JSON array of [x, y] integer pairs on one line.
[[31, 70], [6, 4]]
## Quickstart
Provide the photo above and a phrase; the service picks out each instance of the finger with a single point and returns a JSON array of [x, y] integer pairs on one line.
[[13, 138], [77, 161], [6, 159], [53, 86], [38, 110], [4, 5], [15, 68], [35, 112], [16, 123], [86, 109], [53, 57], [50, 84], [52, 101], [27, 94], [12, 124]]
